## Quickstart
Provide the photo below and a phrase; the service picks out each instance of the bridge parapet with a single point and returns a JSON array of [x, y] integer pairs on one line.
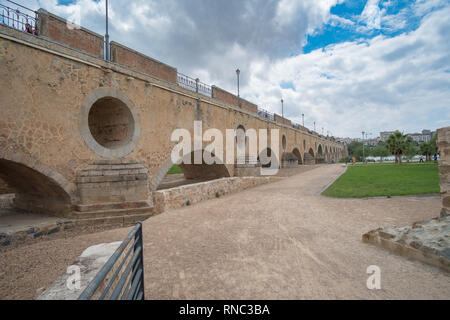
[[232, 99], [138, 61], [55, 28], [280, 119]]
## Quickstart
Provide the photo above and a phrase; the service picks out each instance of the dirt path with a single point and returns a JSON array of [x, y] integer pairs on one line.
[[277, 241]]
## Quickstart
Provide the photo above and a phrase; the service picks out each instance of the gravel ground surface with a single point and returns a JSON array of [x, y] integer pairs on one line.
[[277, 241]]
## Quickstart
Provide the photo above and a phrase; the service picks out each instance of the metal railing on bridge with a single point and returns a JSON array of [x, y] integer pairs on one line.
[[194, 85], [19, 18], [124, 280], [266, 114]]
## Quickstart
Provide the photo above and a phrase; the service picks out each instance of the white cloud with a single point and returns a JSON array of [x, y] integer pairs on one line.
[[339, 21], [398, 82], [371, 15], [372, 85]]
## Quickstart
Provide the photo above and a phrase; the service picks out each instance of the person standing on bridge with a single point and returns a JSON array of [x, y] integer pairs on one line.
[[29, 29]]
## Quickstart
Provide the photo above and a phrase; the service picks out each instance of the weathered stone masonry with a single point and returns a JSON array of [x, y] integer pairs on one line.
[[444, 168]]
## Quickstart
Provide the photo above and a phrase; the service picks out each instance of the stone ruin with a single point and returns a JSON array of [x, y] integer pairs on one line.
[[427, 241]]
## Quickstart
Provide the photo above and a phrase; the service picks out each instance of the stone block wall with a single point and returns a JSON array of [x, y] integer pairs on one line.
[[55, 28], [232, 99], [181, 196], [443, 142], [4, 187], [138, 61], [6, 200], [107, 181], [247, 170]]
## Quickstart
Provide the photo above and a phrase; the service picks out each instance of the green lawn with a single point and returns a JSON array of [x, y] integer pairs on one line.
[[175, 170], [376, 180]]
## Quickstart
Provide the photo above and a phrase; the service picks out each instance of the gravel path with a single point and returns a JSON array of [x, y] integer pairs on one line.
[[277, 241]]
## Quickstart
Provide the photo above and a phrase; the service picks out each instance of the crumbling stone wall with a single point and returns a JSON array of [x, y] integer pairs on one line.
[[443, 142]]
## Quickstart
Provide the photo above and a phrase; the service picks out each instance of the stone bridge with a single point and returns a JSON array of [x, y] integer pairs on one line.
[[80, 135]]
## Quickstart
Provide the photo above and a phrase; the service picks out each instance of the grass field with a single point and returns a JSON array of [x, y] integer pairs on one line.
[[376, 180], [175, 170]]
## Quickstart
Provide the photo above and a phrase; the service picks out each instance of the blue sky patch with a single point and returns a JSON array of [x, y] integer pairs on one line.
[[287, 85], [346, 23]]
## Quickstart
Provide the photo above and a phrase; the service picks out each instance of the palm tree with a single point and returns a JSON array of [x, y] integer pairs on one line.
[[426, 150], [429, 148], [398, 144]]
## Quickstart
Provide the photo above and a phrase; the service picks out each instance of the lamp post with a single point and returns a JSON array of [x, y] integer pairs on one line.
[[108, 55], [282, 109], [314, 126], [303, 119], [364, 154], [238, 72]]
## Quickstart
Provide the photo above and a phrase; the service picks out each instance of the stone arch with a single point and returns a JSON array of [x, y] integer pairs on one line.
[[241, 140], [297, 153], [109, 123], [268, 151], [192, 171], [319, 150], [38, 188]]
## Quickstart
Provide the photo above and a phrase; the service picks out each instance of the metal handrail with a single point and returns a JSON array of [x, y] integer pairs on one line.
[[130, 284], [266, 114], [17, 19], [194, 85]]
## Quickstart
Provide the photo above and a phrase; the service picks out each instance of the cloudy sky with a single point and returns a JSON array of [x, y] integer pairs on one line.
[[348, 65]]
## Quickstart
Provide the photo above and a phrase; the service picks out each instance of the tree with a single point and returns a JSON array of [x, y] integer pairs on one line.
[[425, 149], [380, 151], [412, 150], [429, 148], [353, 146], [398, 144]]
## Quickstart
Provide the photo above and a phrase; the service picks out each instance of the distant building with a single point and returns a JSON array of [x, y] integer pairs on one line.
[[425, 136], [385, 135], [344, 140], [373, 142]]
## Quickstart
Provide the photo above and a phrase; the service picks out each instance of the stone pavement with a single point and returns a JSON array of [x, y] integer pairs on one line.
[[277, 241]]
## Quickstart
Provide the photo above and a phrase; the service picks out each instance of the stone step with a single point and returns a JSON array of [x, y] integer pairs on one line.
[[114, 221], [111, 213], [111, 206]]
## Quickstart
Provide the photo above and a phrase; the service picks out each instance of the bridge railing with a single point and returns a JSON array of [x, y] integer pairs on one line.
[[18, 18], [266, 114], [194, 85], [122, 276]]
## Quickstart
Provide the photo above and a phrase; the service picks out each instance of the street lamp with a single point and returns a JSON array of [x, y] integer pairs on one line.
[[314, 126], [238, 72], [303, 119], [282, 109], [108, 55], [364, 154]]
